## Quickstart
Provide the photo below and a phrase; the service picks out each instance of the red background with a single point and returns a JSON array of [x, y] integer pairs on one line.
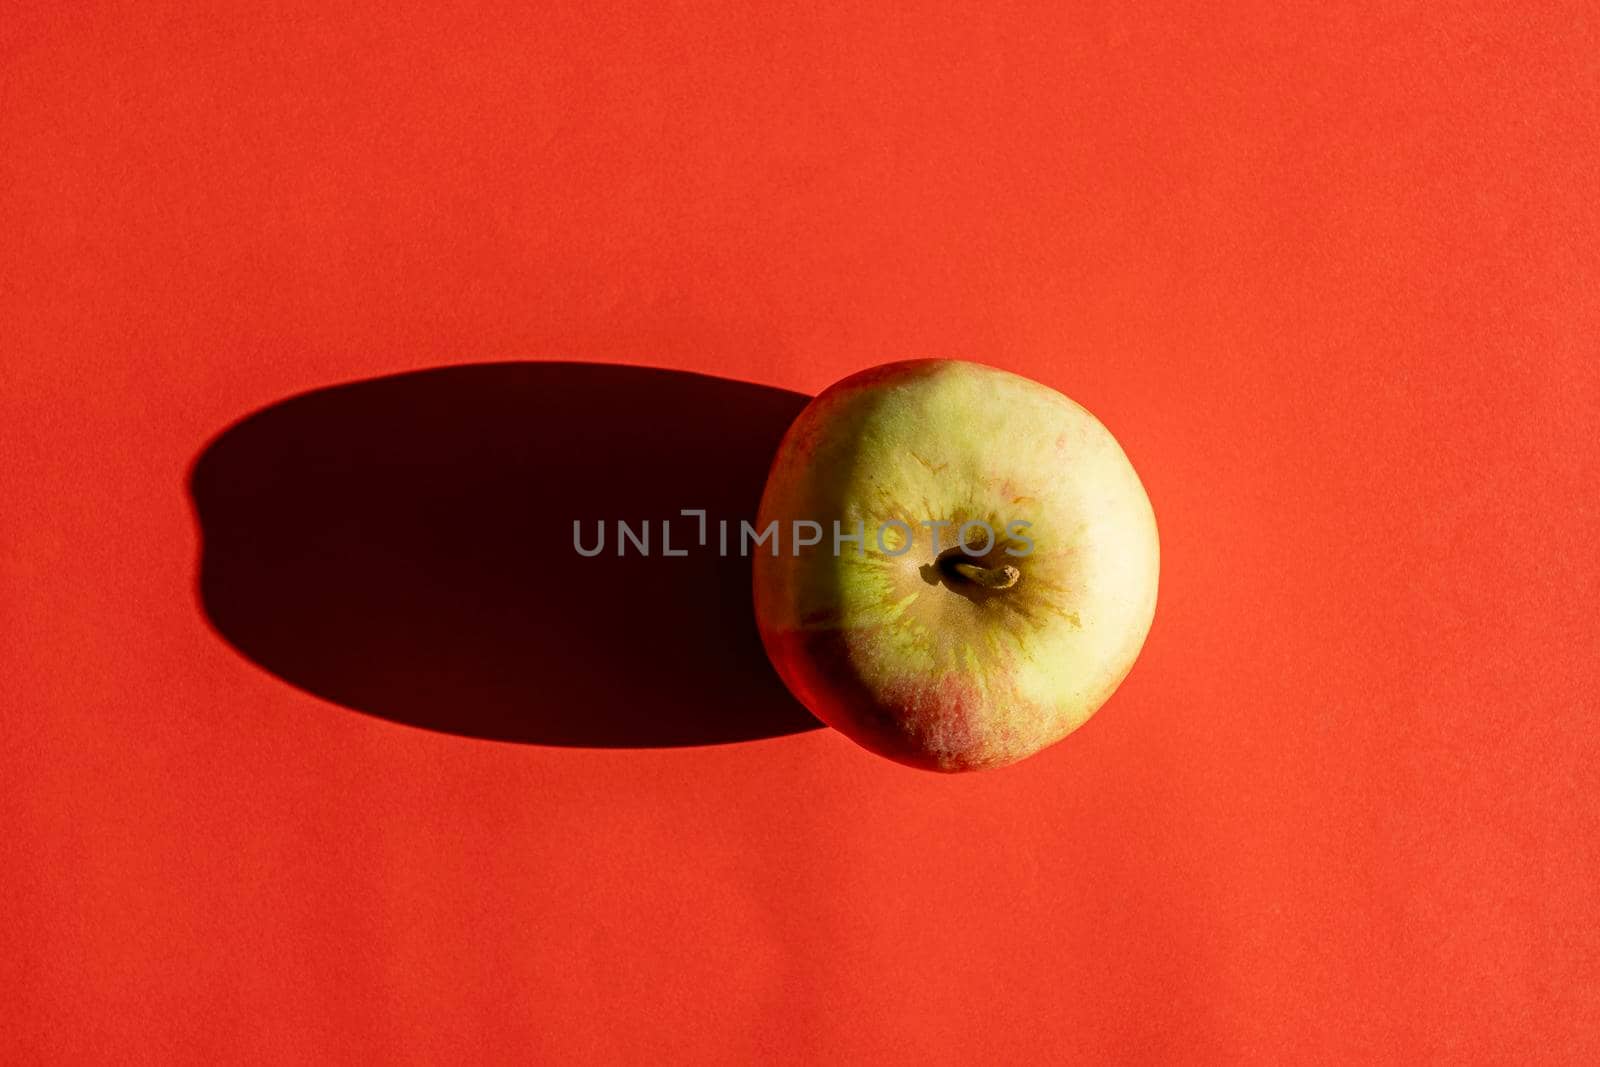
[[1330, 275]]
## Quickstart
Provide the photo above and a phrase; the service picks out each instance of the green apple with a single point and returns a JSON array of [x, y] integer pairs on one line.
[[985, 573]]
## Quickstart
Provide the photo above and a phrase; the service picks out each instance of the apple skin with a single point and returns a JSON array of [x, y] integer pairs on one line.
[[904, 654]]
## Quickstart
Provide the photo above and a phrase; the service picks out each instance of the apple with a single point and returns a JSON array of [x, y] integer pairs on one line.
[[908, 627]]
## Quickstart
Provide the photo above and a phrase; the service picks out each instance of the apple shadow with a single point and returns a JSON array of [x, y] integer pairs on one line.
[[404, 547]]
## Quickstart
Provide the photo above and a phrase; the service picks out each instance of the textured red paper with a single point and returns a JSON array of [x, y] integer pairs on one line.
[[1329, 273]]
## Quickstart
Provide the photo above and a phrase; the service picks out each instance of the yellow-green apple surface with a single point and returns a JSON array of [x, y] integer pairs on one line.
[[930, 641]]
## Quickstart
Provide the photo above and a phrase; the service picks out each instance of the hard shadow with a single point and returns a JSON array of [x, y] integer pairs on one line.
[[404, 547]]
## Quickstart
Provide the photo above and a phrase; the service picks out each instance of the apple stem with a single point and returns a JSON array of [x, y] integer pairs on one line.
[[989, 577]]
